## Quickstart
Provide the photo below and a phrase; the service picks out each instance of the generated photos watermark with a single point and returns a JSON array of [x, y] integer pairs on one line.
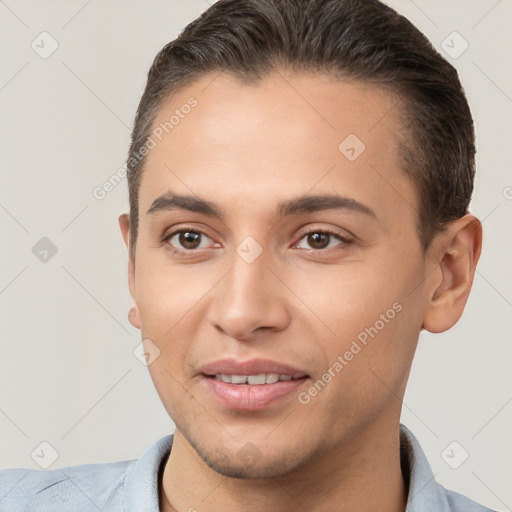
[[100, 192], [355, 348]]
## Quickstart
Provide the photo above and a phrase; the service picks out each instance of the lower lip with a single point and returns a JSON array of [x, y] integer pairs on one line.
[[246, 397]]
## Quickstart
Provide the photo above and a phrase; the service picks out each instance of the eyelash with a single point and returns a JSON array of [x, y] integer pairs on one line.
[[187, 252]]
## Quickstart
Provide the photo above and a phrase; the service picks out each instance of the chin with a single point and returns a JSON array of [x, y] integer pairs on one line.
[[247, 461], [259, 470]]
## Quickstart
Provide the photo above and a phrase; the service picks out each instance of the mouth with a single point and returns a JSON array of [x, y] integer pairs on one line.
[[256, 380], [251, 385]]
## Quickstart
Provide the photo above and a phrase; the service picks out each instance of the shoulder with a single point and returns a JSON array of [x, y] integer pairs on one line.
[[113, 486], [425, 493], [460, 503], [72, 488]]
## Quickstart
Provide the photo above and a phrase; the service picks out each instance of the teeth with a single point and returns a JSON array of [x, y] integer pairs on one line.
[[256, 380]]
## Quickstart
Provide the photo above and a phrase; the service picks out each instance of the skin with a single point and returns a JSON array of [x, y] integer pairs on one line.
[[246, 148]]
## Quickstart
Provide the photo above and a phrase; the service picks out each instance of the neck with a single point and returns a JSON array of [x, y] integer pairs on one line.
[[369, 478]]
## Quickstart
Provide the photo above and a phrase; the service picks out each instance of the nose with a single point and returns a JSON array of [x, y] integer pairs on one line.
[[250, 299]]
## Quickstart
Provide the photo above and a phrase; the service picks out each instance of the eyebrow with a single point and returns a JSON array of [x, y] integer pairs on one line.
[[302, 204]]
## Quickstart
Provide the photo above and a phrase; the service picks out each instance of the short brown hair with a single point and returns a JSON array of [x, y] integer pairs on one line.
[[357, 39]]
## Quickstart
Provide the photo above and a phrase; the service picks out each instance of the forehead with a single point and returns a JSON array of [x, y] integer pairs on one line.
[[290, 133]]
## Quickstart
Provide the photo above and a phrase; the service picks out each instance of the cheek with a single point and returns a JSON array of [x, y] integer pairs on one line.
[[169, 295], [372, 316], [175, 392], [350, 298], [376, 320]]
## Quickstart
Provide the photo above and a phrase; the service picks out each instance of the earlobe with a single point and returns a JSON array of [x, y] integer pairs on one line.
[[133, 314], [133, 317], [457, 254]]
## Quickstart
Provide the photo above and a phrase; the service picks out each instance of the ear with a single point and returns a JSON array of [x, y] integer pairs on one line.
[[124, 224], [455, 255]]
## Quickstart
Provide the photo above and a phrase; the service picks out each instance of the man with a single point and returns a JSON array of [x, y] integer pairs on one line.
[[299, 178]]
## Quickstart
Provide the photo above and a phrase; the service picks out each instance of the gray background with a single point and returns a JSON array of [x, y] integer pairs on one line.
[[68, 375]]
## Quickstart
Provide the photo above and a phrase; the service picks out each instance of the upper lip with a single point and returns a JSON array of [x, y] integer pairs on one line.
[[233, 366]]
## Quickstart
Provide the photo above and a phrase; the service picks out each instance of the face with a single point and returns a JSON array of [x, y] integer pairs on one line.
[[295, 257]]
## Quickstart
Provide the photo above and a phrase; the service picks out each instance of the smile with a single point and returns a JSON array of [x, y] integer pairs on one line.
[[256, 380]]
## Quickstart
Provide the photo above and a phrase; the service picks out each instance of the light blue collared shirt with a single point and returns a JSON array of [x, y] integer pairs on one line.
[[132, 486]]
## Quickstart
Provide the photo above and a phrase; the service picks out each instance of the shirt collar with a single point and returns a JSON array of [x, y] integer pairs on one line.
[[425, 494], [141, 482]]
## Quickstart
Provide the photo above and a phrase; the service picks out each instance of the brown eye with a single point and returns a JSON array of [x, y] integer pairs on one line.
[[186, 240], [322, 239], [189, 239], [318, 240]]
